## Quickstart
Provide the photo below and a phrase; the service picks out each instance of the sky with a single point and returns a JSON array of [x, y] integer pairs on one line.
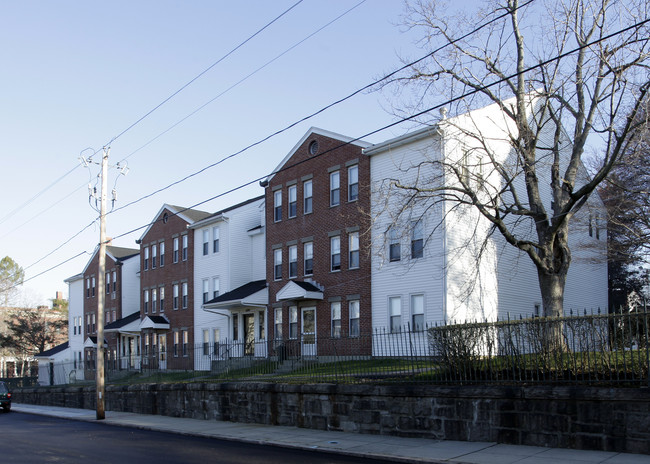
[[79, 76]]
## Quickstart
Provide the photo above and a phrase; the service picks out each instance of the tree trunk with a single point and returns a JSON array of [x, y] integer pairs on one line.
[[552, 288]]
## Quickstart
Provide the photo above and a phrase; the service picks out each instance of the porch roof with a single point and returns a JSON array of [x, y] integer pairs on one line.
[[154, 322], [253, 293], [128, 324], [296, 290]]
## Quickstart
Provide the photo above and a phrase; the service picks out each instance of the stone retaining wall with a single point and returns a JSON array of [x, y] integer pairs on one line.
[[616, 419]]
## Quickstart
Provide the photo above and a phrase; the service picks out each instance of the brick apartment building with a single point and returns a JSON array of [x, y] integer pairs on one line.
[[118, 301], [167, 288], [317, 267]]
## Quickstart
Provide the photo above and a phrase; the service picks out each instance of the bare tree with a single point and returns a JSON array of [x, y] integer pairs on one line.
[[560, 71], [11, 276]]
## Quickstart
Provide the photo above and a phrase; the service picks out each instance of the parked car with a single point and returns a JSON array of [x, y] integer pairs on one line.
[[5, 396]]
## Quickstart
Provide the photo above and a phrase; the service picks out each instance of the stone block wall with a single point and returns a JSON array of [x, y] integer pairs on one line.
[[609, 419]]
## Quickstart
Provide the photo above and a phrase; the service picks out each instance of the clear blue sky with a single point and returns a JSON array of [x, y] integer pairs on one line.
[[76, 74]]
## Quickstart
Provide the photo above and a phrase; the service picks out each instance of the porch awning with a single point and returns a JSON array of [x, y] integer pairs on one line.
[[296, 290], [128, 324], [91, 342], [254, 294], [154, 322]]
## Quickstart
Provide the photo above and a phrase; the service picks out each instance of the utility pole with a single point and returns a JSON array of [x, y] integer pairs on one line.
[[101, 300]]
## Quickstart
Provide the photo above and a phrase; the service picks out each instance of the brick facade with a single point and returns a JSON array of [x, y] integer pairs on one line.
[[170, 226], [319, 227]]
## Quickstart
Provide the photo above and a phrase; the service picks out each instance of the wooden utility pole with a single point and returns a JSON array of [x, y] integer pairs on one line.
[[101, 300]]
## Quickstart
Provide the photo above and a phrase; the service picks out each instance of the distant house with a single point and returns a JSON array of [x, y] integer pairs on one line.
[[229, 283], [437, 261], [317, 272], [54, 367]]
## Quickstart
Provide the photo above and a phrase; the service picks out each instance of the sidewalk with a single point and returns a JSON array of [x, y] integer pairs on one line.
[[409, 450]]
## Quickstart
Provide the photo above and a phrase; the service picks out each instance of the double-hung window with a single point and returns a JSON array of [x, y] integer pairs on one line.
[[185, 246], [335, 188], [162, 299], [394, 247], [176, 341], [186, 340], [309, 258], [146, 259], [293, 201], [206, 342], [335, 253], [395, 313], [185, 297], [308, 197], [206, 242], [354, 318], [154, 256], [336, 319], [353, 183], [353, 250], [162, 254], [175, 297], [215, 287], [215, 240], [277, 325], [293, 322], [277, 264], [108, 282], [93, 286], [154, 300], [176, 248], [417, 312], [146, 301], [114, 281], [293, 261], [277, 205], [417, 240], [206, 290]]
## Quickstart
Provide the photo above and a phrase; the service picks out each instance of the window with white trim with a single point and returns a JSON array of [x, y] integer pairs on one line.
[[335, 307], [277, 264], [185, 247], [162, 299], [353, 306], [394, 245], [277, 205], [206, 242], [309, 258], [215, 287], [146, 301], [277, 324], [417, 312], [145, 265], [293, 322], [335, 253], [353, 247], [206, 290], [395, 313], [307, 196], [154, 256], [175, 296], [185, 297], [206, 342], [335, 188], [154, 300], [417, 240], [293, 201], [162, 254], [176, 249], [353, 183], [215, 240], [293, 261]]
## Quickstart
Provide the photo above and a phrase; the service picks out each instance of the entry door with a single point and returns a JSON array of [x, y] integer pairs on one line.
[[308, 331], [162, 351], [249, 334]]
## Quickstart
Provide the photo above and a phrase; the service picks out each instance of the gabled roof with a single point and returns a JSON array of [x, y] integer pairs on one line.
[[154, 322], [91, 342], [129, 323], [296, 290], [251, 294], [317, 131], [219, 215], [53, 351], [403, 139], [117, 254], [188, 215]]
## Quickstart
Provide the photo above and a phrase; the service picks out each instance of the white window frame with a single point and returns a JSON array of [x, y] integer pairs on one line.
[[335, 188], [354, 311], [417, 240], [395, 313], [185, 294], [335, 310], [353, 183], [292, 210], [394, 243], [277, 264], [216, 235], [353, 250], [185, 246], [216, 287], [206, 242], [162, 254], [308, 255], [293, 322], [417, 312], [293, 261], [335, 253], [308, 197], [206, 290], [277, 205]]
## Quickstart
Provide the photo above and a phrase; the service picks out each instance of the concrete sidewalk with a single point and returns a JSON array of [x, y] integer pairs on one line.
[[412, 450]]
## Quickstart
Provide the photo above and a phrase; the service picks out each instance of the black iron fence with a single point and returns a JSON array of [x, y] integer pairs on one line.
[[594, 349]]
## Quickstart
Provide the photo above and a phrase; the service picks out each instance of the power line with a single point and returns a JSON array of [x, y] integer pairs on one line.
[[203, 72]]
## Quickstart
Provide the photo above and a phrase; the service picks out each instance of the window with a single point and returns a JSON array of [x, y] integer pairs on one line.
[[215, 240], [277, 264], [162, 254], [154, 300], [235, 327], [335, 188], [176, 249], [277, 205], [309, 258], [354, 318], [145, 265], [336, 319], [114, 281], [176, 340], [206, 242], [293, 322], [206, 290], [88, 323], [108, 282], [206, 342], [186, 340], [146, 345], [216, 338], [146, 301], [293, 201], [184, 295], [154, 256], [277, 325], [175, 296], [94, 329], [185, 241], [417, 312], [92, 287], [335, 253], [353, 183], [354, 250], [261, 326], [87, 288], [293, 261], [215, 287], [395, 313], [394, 248], [307, 195], [417, 240], [161, 292]]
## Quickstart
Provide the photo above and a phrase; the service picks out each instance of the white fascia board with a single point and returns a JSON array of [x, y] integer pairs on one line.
[[391, 144], [207, 221]]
